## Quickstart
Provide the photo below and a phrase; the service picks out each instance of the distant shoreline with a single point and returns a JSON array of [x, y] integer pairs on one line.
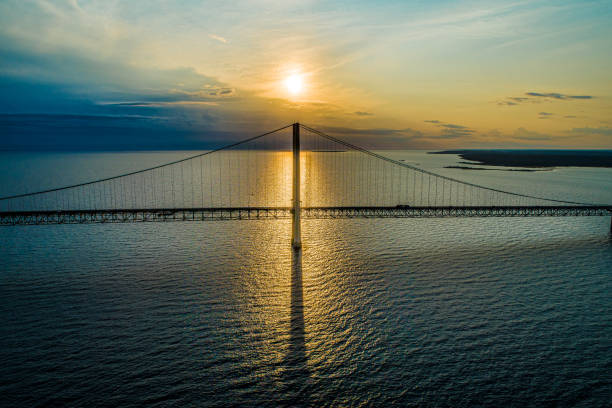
[[533, 158]]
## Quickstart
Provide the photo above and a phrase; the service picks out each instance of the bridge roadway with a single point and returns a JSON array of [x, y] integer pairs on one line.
[[246, 213]]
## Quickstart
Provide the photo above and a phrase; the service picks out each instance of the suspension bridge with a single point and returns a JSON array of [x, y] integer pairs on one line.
[[291, 172]]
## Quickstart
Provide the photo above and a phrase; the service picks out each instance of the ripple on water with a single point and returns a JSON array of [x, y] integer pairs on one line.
[[445, 312]]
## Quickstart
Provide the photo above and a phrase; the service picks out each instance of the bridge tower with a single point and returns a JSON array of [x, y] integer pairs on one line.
[[296, 230]]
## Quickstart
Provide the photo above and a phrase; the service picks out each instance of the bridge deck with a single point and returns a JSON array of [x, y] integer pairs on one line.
[[246, 213]]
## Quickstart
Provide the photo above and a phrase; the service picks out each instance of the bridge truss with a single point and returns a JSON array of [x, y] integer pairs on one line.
[[252, 213]]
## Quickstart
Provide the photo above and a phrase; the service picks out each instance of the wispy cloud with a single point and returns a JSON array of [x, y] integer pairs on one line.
[[512, 101], [362, 113], [218, 38], [555, 95], [538, 97], [451, 130], [216, 91]]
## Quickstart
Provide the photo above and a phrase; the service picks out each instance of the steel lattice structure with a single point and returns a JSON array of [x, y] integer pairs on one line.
[[249, 213]]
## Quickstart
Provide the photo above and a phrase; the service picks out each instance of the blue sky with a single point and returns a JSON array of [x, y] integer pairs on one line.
[[433, 74]]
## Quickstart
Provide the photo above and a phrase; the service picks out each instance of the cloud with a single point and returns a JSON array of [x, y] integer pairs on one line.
[[104, 79], [115, 103], [451, 126], [539, 97], [218, 38], [524, 134], [361, 113], [545, 115], [450, 130], [555, 95], [570, 117]]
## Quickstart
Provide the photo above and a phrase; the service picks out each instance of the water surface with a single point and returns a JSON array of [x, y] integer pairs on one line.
[[411, 312]]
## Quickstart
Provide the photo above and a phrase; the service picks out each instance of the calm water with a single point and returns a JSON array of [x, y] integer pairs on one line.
[[413, 312]]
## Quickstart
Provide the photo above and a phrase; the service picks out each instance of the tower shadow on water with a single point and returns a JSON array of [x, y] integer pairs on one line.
[[296, 373]]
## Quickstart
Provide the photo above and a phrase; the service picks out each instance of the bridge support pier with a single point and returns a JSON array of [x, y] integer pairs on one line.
[[296, 230]]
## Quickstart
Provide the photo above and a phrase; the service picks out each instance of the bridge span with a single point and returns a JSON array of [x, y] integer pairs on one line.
[[292, 172], [264, 213]]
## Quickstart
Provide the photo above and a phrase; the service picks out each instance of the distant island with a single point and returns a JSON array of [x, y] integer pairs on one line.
[[534, 158]]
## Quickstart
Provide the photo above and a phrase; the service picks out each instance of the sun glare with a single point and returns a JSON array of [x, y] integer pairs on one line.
[[294, 84]]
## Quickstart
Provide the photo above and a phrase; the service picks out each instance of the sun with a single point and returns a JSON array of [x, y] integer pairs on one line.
[[294, 84]]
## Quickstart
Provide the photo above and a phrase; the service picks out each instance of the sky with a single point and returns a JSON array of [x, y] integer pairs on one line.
[[110, 74]]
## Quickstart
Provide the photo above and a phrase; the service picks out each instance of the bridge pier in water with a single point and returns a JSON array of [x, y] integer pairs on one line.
[[296, 230]]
